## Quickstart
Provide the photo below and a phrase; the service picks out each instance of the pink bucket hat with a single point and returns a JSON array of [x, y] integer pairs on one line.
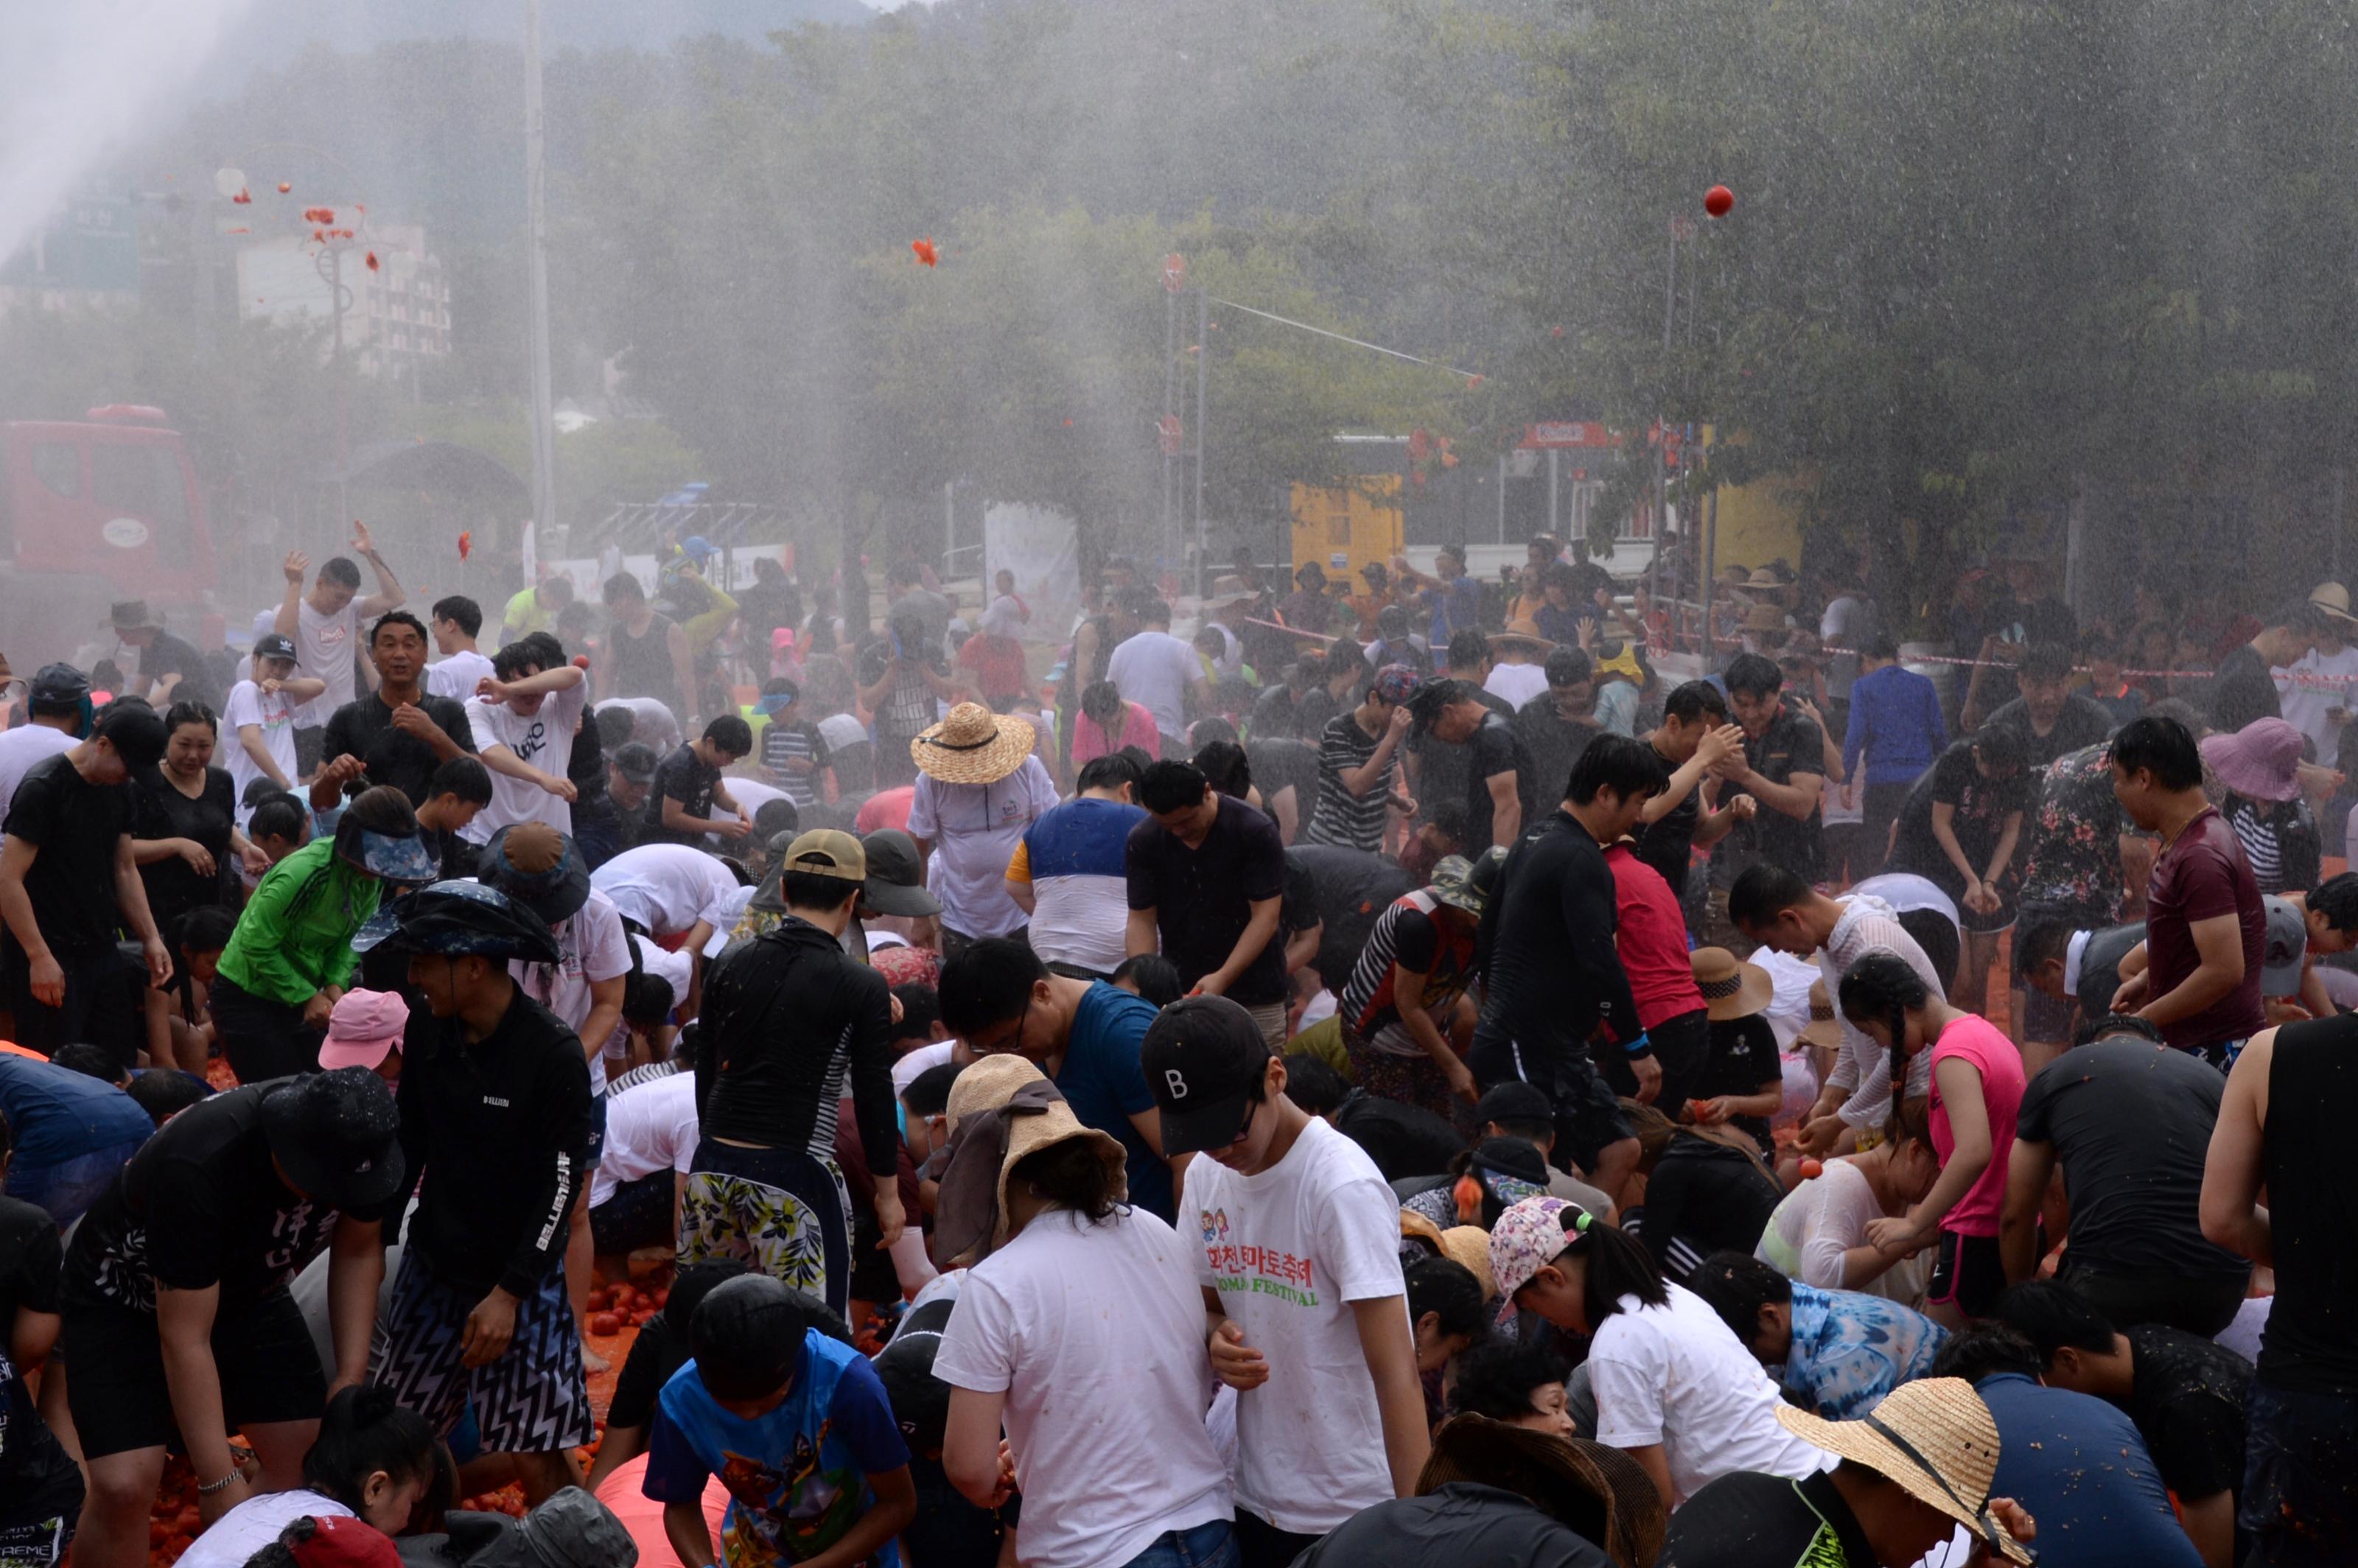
[[363, 1028], [2261, 759]]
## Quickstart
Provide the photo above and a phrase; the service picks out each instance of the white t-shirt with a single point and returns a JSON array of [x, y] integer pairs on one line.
[[22, 747], [728, 913], [1676, 1375], [1906, 893], [457, 676], [1517, 683], [676, 968], [276, 717], [2312, 684], [652, 722], [590, 947], [1289, 1250], [1095, 1332], [666, 888], [324, 646], [254, 1523], [974, 829], [650, 1127], [1154, 670], [752, 794], [545, 739]]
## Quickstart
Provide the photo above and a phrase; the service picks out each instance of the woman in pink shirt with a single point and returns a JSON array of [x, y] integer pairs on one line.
[[1977, 1086], [1107, 723]]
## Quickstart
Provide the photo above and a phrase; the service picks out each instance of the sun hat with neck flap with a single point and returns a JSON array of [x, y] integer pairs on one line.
[[973, 746], [1001, 1109]]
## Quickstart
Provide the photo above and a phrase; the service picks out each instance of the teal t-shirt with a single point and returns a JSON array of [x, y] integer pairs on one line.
[[1101, 1080]]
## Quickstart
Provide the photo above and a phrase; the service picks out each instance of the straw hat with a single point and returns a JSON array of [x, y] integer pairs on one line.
[[1470, 1245], [1525, 631], [973, 746], [1766, 579], [1227, 593], [1001, 1109], [2334, 600], [1823, 1030], [1731, 988], [2261, 761], [1597, 1492], [1934, 1439]]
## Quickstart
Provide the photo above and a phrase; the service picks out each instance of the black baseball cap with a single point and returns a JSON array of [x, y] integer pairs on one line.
[[1513, 1100], [1204, 1060], [920, 1401], [274, 645], [338, 1134], [58, 683]]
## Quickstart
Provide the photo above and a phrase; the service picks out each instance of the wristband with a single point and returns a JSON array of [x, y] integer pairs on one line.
[[1640, 1047], [208, 1488]]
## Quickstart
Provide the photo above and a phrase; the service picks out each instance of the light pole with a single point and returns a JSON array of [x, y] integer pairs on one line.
[[536, 197]]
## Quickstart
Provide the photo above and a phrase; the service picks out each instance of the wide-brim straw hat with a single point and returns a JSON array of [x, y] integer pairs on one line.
[[973, 746], [1597, 1492], [1470, 1245], [1933, 1438], [987, 1085], [1731, 988], [1525, 631], [2261, 761], [1823, 1030], [2335, 600]]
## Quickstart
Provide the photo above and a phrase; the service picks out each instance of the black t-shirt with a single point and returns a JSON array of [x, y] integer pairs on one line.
[[2241, 690], [200, 1205], [1351, 890], [30, 1259], [1743, 1057], [2084, 722], [75, 825], [2311, 1342], [689, 779], [364, 728], [1441, 765], [1790, 745], [1494, 749], [1707, 1195], [2130, 1123], [1553, 743], [1202, 897], [2099, 967], [1749, 1519], [1982, 806], [1403, 1141], [1277, 763], [585, 766], [2187, 1404], [1667, 843], [173, 886], [1462, 1521], [166, 654], [658, 1352], [1273, 715], [1551, 973]]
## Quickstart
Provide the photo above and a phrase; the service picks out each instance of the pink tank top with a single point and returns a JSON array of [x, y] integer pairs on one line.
[[1979, 1042]]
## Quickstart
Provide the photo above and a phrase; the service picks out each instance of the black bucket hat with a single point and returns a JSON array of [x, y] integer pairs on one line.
[[458, 920], [539, 867], [337, 1134]]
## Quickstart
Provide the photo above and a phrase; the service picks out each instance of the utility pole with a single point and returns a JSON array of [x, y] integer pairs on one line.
[[1203, 353], [535, 196]]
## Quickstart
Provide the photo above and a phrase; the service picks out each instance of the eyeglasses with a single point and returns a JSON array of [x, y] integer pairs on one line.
[[1011, 1041]]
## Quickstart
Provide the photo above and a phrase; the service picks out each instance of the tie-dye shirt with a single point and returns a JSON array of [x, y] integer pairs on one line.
[[1850, 1349]]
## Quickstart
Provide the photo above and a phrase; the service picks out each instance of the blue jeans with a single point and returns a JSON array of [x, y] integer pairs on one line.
[[1211, 1545], [68, 1186], [2299, 1451]]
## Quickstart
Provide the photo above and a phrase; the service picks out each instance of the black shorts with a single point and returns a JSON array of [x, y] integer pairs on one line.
[[634, 1215], [1969, 1274], [261, 1037], [1681, 1049], [269, 1372], [1588, 1117]]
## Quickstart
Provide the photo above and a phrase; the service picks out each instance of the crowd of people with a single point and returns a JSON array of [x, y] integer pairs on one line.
[[1388, 1078]]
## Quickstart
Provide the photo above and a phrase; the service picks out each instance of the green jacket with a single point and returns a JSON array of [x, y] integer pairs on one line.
[[295, 938]]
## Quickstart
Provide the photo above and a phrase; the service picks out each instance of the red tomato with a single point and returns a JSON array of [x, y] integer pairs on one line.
[[1719, 201], [1811, 1169], [605, 1325]]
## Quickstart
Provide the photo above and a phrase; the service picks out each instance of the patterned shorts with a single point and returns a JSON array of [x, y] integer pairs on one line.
[[41, 1545], [532, 1400], [1415, 1080], [783, 1211]]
